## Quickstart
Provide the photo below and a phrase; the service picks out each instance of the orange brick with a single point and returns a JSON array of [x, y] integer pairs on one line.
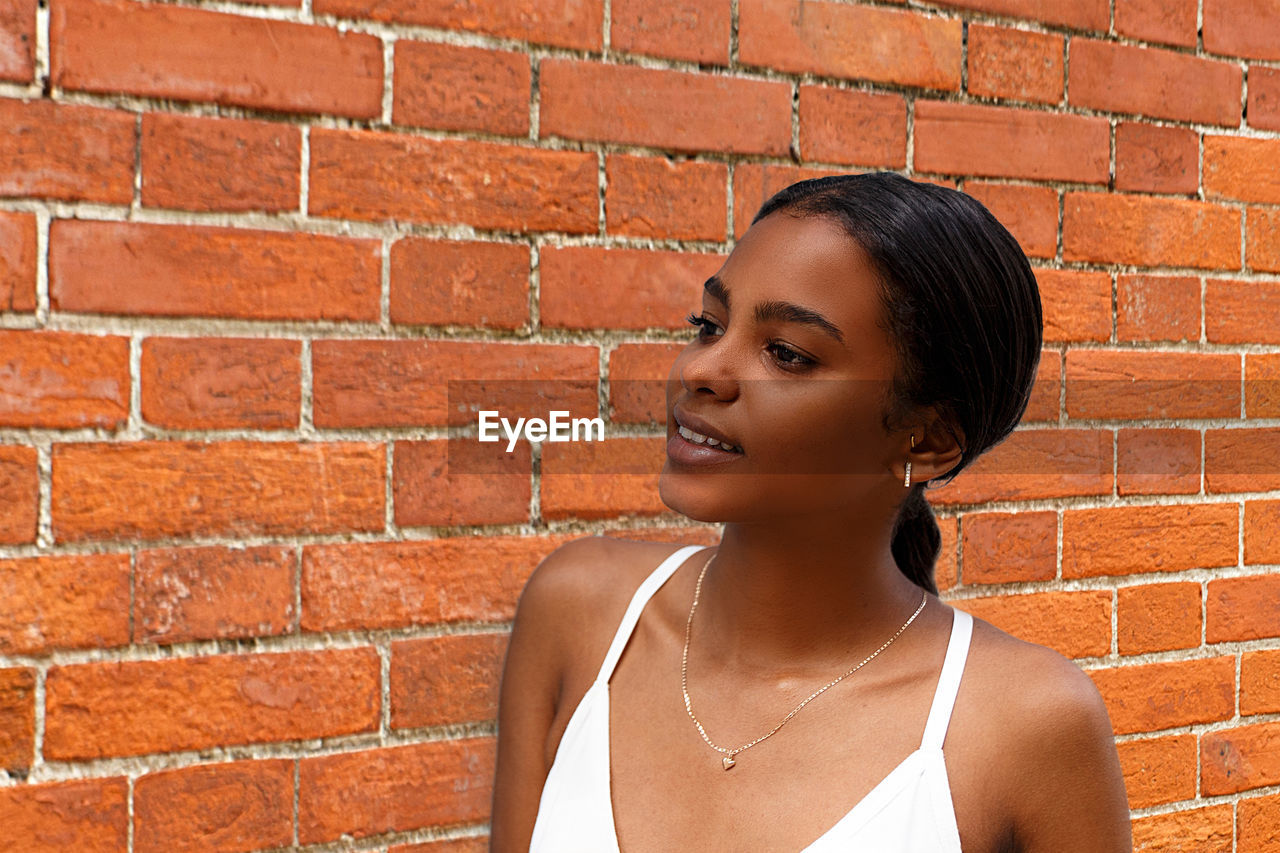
[[637, 382], [1242, 28], [1157, 308], [1079, 14], [198, 163], [1157, 617], [1246, 608], [1239, 759], [1005, 547], [1243, 169], [19, 494], [137, 707], [177, 270], [1260, 682], [661, 288], [63, 380], [1046, 391], [381, 176], [451, 87], [1263, 107], [17, 40], [165, 51], [566, 23], [1162, 83], [232, 488], [439, 681], [1171, 538], [1242, 312], [1261, 532], [1033, 464], [1159, 770], [848, 126], [245, 805], [418, 383], [1166, 21], [87, 815], [184, 594], [602, 479], [1262, 239], [17, 719], [221, 383], [1030, 213], [1144, 231], [64, 602], [755, 183], [66, 151], [1157, 461], [979, 140], [1241, 460], [1207, 830], [1076, 624], [1015, 64], [664, 199], [440, 283], [946, 570], [459, 481], [1157, 696], [1076, 305], [1259, 825], [829, 39], [1129, 385], [1157, 159], [675, 110], [694, 30], [357, 794], [470, 844], [17, 261]]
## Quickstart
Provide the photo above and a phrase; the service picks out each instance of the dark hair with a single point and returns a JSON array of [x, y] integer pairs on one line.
[[961, 303]]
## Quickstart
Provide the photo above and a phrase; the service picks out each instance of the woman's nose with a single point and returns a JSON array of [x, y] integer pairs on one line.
[[711, 367]]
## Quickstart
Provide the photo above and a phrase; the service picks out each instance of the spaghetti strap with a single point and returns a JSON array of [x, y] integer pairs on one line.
[[650, 585], [944, 698]]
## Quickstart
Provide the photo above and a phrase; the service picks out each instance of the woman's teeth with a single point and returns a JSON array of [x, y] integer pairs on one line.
[[699, 438]]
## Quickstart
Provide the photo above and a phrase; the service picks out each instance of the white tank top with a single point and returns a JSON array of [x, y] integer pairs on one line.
[[909, 811]]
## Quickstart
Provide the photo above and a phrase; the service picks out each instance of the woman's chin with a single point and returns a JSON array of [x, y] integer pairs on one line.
[[695, 496]]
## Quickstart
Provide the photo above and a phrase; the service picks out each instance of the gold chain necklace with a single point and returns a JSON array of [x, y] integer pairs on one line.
[[729, 754]]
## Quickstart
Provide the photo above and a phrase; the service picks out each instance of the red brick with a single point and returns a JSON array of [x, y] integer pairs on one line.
[[979, 140], [1006, 547], [1015, 64], [439, 681], [1157, 308], [661, 287], [1078, 14], [1243, 169], [232, 488], [566, 23], [756, 183], [441, 283], [602, 480], [1158, 461], [136, 707], [637, 381], [1046, 391], [470, 844], [1129, 385], [451, 87], [459, 481], [165, 51], [177, 270], [66, 151], [665, 199], [1242, 312], [1262, 239], [63, 380], [1245, 608], [1159, 770], [1242, 28], [1033, 464], [1259, 825], [221, 383], [418, 383], [830, 39], [1157, 696], [1170, 538], [245, 805], [1157, 159], [199, 163], [1157, 617], [369, 586], [19, 494], [1263, 107], [64, 602], [1166, 21], [17, 262], [1261, 532], [1149, 81], [378, 176], [357, 794], [1144, 231], [1076, 305], [1076, 624], [946, 570], [87, 815], [1241, 460], [675, 110], [184, 594], [1238, 759], [694, 30], [1207, 830], [17, 40], [17, 719], [1030, 213], [1260, 682], [850, 126]]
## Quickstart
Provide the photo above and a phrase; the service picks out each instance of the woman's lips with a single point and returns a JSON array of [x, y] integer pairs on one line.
[[681, 450]]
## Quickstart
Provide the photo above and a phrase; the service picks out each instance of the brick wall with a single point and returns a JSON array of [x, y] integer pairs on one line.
[[244, 246]]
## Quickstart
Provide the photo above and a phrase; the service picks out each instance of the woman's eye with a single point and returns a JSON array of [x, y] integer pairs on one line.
[[706, 328], [787, 356]]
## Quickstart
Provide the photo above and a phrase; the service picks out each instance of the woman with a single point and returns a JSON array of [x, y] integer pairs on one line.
[[801, 686]]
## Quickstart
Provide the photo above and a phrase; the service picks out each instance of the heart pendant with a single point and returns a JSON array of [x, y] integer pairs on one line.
[[728, 762]]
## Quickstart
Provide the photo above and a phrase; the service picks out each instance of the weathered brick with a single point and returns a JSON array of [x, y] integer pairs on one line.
[[136, 707], [63, 380], [221, 383], [200, 163], [184, 594], [1262, 239], [1006, 547], [66, 151], [441, 282], [676, 110], [637, 381], [1076, 305], [459, 481], [1242, 28], [443, 680], [1244, 608], [470, 844], [1263, 107], [1158, 461], [850, 126], [1149, 81], [1166, 21], [1261, 532], [1239, 759], [1030, 213], [1123, 384], [19, 494], [1032, 464], [566, 23], [755, 183], [1156, 696], [1015, 64], [452, 87], [1207, 830], [87, 815], [1159, 770], [1157, 617], [244, 805], [1171, 538], [17, 719], [1076, 624], [1079, 14], [694, 30], [17, 40], [1144, 231], [946, 570], [1157, 308], [1260, 682], [17, 262], [176, 270], [1241, 460], [231, 488], [602, 479], [1262, 385], [665, 199], [1157, 159], [1241, 168], [1238, 312], [1258, 827], [167, 51], [1046, 391], [64, 602]]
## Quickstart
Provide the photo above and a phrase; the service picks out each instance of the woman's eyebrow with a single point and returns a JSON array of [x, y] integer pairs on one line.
[[776, 310]]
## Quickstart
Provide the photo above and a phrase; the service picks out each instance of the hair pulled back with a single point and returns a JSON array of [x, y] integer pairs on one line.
[[962, 307]]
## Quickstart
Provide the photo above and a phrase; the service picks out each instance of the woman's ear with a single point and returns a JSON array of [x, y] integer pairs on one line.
[[934, 447]]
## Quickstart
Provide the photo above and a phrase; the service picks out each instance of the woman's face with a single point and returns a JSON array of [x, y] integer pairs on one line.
[[792, 367]]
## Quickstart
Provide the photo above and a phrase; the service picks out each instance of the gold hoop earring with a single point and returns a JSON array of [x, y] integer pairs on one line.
[[906, 481]]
